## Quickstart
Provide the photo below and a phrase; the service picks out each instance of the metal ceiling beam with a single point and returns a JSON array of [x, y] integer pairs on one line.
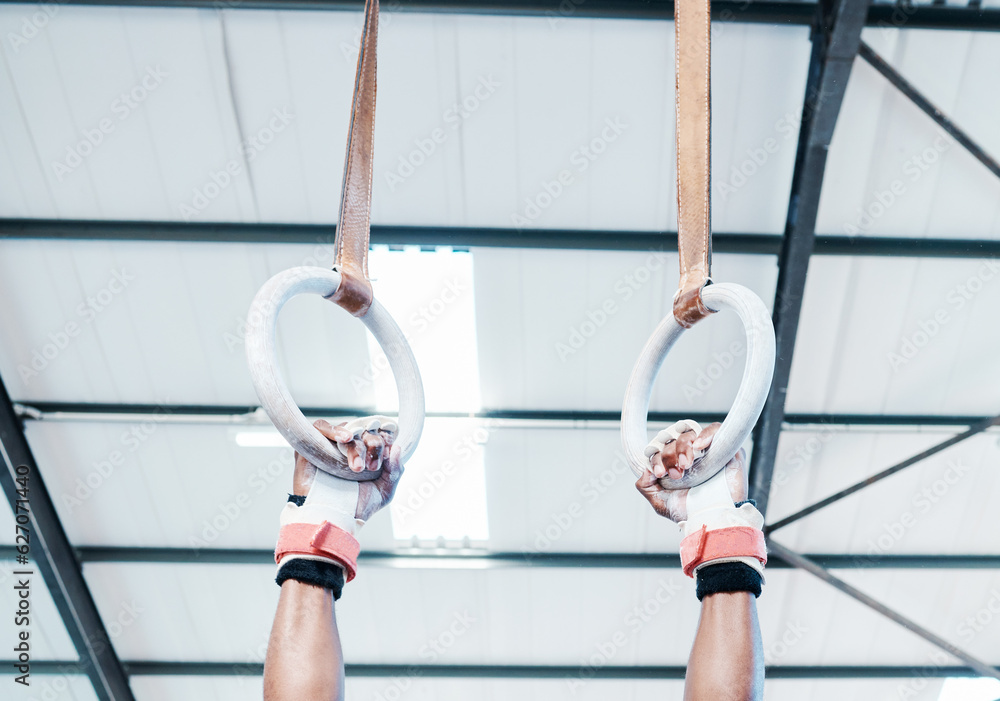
[[53, 556], [974, 430], [768, 11], [836, 37], [242, 415], [483, 237], [940, 118], [380, 671], [816, 570], [475, 559]]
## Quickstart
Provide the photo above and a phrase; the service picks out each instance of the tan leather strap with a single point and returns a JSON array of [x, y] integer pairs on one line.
[[353, 225], [693, 60]]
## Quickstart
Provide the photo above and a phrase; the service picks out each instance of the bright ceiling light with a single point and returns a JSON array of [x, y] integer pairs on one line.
[[260, 439], [443, 493], [431, 296], [965, 689]]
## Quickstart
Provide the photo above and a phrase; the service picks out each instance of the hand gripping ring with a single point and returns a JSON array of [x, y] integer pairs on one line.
[[278, 403], [746, 407]]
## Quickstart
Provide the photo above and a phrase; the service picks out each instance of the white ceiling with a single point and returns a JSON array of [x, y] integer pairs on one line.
[[173, 335]]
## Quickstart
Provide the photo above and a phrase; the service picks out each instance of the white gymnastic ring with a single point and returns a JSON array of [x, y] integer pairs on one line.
[[273, 393], [749, 402]]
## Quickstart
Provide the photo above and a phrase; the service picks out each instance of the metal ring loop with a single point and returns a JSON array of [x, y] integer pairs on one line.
[[746, 407], [273, 393]]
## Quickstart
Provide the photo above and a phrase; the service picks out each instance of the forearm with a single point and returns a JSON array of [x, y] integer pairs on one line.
[[727, 660], [304, 657]]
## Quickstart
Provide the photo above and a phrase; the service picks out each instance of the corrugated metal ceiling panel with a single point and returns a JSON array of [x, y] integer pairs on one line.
[[510, 104], [891, 170], [898, 336]]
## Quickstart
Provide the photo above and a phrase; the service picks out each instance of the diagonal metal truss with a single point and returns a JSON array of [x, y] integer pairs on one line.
[[835, 39], [940, 118], [816, 570], [50, 550], [974, 430], [836, 42]]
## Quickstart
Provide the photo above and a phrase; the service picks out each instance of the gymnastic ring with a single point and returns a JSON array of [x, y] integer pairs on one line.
[[749, 402], [273, 393]]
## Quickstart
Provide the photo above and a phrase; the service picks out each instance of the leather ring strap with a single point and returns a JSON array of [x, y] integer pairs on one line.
[[692, 62], [353, 225]]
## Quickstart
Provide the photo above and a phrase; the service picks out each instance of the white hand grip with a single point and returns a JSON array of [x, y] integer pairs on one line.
[[274, 396], [746, 407]]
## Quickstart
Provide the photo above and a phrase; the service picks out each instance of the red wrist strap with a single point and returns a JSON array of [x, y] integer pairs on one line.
[[736, 541], [323, 540]]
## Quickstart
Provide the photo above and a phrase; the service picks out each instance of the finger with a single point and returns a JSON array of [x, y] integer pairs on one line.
[[705, 437], [657, 468], [685, 451], [333, 433], [373, 446], [647, 480], [355, 459], [388, 437], [669, 454]]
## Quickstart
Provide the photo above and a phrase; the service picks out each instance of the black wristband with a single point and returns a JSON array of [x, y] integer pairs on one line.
[[727, 577], [300, 500], [315, 572]]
